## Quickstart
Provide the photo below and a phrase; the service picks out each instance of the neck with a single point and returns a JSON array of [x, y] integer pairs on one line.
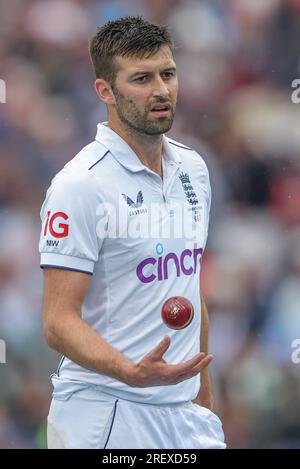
[[148, 148]]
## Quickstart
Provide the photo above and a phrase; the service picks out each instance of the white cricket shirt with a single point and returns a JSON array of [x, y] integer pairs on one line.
[[141, 239]]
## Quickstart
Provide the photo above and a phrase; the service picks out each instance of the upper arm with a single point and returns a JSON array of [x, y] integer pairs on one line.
[[69, 236], [64, 293], [69, 243]]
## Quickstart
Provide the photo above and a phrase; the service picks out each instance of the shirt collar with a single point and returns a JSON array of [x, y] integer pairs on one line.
[[124, 154], [171, 154]]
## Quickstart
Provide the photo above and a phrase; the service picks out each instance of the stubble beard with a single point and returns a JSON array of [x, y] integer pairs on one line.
[[138, 121]]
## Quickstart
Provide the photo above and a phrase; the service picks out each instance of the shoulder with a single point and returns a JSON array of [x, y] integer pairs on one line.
[[189, 156], [78, 174], [90, 156]]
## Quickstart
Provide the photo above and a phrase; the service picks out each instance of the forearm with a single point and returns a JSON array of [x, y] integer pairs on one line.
[[205, 395], [66, 332], [74, 338], [79, 342]]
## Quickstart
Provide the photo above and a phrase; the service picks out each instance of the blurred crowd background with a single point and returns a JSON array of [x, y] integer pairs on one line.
[[236, 61]]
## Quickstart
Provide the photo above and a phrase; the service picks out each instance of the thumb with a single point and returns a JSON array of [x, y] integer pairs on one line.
[[161, 348]]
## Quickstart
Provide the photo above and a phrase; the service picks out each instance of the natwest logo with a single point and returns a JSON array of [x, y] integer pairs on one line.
[[157, 268], [56, 228]]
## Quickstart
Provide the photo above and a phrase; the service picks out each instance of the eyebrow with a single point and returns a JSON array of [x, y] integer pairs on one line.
[[147, 72]]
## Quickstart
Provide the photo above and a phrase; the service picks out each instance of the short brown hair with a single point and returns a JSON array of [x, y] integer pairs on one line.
[[131, 36]]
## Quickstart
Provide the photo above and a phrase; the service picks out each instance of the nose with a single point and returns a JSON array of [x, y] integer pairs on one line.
[[160, 88]]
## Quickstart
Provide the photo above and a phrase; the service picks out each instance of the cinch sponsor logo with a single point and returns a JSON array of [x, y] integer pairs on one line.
[[57, 230], [184, 264]]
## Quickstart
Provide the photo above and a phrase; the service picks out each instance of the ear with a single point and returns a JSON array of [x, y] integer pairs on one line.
[[104, 91]]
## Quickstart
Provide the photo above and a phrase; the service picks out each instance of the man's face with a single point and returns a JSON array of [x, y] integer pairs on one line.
[[145, 92]]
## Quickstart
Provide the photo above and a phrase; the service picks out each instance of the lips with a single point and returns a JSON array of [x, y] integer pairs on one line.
[[160, 107], [160, 110]]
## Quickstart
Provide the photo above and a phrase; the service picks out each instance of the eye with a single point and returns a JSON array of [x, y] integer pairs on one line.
[[140, 79], [169, 74]]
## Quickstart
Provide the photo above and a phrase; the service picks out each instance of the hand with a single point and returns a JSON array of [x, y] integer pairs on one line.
[[153, 370]]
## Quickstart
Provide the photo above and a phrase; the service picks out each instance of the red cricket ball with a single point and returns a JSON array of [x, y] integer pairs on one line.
[[177, 312]]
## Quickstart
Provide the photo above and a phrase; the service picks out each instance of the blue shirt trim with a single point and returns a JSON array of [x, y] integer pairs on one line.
[[48, 266], [180, 146], [99, 160]]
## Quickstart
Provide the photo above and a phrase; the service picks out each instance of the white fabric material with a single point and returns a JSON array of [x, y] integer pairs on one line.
[[118, 424], [132, 275]]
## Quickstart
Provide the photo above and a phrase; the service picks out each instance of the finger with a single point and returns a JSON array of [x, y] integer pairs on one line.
[[197, 369], [158, 352], [203, 364], [209, 358], [189, 364]]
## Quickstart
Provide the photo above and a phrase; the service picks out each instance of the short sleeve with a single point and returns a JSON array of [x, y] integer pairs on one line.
[[69, 237]]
